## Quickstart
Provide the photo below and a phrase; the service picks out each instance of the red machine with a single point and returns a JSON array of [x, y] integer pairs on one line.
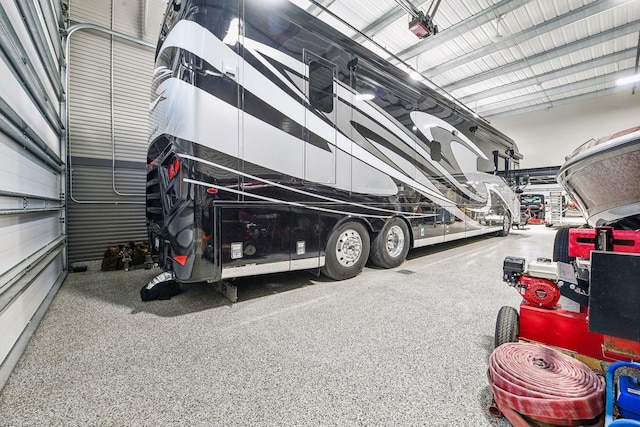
[[598, 271]]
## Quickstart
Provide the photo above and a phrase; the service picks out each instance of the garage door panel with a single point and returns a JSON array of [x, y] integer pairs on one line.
[[25, 234], [28, 174], [33, 250]]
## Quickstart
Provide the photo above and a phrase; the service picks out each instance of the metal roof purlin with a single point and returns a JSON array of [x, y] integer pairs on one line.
[[532, 32], [394, 14], [548, 55], [558, 90], [315, 10], [492, 115], [551, 75]]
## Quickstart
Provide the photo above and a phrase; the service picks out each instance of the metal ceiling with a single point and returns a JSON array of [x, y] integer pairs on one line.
[[501, 57]]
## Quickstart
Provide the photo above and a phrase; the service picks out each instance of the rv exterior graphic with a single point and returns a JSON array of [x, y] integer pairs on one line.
[[278, 144]]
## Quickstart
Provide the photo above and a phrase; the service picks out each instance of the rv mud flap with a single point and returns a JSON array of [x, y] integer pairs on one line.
[[161, 287]]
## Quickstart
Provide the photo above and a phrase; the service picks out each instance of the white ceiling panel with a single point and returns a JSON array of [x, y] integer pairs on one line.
[[514, 55]]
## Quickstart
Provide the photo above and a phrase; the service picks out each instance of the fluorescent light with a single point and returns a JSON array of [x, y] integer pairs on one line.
[[626, 80]]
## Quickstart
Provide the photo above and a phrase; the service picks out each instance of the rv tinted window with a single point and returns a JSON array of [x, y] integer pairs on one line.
[[321, 86], [436, 151]]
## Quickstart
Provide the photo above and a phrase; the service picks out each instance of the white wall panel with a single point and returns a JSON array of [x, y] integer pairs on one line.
[[19, 313], [22, 235], [28, 174], [12, 91], [32, 247], [23, 34], [545, 137]]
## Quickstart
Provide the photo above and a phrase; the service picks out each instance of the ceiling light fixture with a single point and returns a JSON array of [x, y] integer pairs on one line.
[[627, 80]]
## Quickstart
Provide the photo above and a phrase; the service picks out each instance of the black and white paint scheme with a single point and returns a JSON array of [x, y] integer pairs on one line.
[[279, 144]]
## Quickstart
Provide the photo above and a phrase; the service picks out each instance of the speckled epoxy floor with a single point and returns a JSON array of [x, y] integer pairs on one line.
[[385, 348]]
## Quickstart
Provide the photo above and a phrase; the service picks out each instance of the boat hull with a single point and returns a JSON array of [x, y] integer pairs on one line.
[[603, 177]]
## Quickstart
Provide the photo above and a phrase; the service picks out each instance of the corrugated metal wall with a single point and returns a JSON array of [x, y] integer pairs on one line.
[[109, 85], [32, 199]]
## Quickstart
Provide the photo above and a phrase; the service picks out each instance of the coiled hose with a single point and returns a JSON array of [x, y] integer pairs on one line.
[[545, 385]]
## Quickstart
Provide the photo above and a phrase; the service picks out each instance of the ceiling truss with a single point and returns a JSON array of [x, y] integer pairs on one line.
[[503, 57]]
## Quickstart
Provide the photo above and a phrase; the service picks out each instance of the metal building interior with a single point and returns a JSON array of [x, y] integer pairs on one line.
[[74, 130]]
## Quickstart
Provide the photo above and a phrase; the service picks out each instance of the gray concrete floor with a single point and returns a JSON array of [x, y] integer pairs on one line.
[[407, 346]]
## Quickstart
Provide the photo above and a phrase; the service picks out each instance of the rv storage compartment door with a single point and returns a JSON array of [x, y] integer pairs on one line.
[[261, 239]]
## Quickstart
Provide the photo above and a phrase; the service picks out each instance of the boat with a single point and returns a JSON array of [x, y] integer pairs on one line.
[[603, 178]]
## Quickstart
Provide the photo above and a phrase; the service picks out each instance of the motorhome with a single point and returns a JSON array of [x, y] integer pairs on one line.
[[279, 144]]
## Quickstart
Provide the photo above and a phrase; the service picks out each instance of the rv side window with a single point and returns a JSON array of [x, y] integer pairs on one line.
[[321, 86], [436, 151]]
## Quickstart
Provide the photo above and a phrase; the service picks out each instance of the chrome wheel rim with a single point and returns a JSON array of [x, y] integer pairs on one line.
[[505, 223], [348, 248], [394, 241]]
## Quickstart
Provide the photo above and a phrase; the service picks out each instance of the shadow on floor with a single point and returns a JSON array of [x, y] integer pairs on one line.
[[123, 289]]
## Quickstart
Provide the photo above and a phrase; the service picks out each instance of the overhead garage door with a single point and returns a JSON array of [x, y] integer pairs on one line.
[[32, 216], [110, 69]]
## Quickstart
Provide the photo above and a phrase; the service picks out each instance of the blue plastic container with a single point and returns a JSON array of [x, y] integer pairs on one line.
[[628, 399], [628, 391]]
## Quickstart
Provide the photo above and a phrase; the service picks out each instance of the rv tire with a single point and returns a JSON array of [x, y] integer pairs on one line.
[[391, 245], [347, 251], [506, 225]]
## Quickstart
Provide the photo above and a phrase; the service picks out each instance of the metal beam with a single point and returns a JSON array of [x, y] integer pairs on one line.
[[315, 10], [499, 114], [532, 32], [558, 90], [548, 55], [462, 27], [552, 75], [549, 105]]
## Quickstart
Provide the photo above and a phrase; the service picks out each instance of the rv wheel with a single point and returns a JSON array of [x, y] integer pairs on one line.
[[389, 248], [347, 251], [507, 326], [506, 225]]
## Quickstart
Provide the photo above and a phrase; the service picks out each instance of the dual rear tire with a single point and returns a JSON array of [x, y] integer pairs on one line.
[[350, 246], [391, 245]]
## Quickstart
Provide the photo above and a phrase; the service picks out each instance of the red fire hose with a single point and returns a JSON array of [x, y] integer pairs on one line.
[[545, 385]]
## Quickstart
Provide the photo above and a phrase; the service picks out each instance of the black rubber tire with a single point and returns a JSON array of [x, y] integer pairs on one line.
[[380, 256], [561, 246], [333, 267], [507, 326], [506, 225]]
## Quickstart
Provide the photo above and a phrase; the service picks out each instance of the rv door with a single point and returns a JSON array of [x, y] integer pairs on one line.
[[320, 121]]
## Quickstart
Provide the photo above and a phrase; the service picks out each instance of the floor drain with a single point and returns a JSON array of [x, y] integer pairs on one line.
[[407, 272]]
